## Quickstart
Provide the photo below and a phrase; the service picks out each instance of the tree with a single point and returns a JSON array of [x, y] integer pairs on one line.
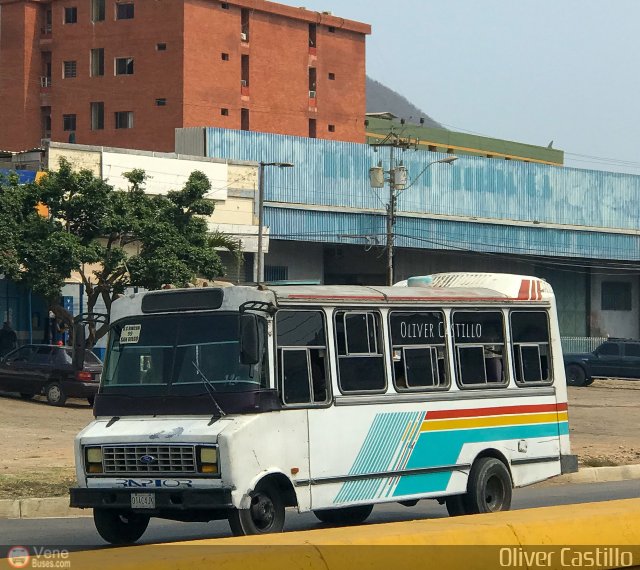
[[113, 239]]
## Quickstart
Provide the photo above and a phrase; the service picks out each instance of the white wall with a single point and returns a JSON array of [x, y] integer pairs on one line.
[[623, 324]]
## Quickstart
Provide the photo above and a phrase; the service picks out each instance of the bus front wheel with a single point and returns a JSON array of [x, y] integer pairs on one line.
[[265, 515], [345, 516], [120, 527], [489, 488]]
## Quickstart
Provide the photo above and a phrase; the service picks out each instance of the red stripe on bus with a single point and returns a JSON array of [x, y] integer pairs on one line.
[[497, 411], [524, 294]]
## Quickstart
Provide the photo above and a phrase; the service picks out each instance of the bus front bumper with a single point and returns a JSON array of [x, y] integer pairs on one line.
[[165, 500]]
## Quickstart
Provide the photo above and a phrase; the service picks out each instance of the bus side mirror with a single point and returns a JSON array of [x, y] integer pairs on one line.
[[79, 347], [250, 339]]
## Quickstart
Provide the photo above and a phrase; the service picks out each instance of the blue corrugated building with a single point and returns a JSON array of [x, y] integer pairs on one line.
[[576, 228]]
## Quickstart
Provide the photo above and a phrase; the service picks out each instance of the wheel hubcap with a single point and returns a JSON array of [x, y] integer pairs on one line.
[[262, 511], [494, 494], [54, 393]]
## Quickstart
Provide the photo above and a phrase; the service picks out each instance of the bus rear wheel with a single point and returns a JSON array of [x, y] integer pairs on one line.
[[120, 527], [346, 516], [264, 516], [489, 488]]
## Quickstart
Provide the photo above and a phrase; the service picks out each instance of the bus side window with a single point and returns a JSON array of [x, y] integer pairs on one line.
[[530, 335], [478, 338], [361, 365], [302, 368], [418, 349]]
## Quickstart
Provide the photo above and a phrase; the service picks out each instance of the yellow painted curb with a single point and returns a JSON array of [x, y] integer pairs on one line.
[[553, 534]]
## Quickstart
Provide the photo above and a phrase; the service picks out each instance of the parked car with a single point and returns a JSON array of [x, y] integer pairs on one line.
[[46, 369], [615, 358]]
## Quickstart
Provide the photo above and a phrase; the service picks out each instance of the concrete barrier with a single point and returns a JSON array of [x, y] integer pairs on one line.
[[607, 533]]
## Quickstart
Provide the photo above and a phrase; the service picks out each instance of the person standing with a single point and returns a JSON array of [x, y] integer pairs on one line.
[[8, 339]]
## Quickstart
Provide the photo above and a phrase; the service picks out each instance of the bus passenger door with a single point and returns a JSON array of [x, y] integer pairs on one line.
[[348, 438]]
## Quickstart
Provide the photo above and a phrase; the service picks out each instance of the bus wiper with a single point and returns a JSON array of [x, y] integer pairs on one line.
[[209, 387]]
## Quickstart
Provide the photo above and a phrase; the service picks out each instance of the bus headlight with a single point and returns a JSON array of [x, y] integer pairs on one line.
[[93, 459], [208, 460]]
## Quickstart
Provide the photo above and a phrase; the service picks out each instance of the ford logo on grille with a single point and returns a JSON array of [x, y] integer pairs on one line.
[[147, 459]]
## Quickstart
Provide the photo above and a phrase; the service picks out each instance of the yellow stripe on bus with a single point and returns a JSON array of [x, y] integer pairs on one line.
[[494, 421]]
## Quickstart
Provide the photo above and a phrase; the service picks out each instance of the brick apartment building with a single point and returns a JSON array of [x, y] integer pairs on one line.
[[127, 73]]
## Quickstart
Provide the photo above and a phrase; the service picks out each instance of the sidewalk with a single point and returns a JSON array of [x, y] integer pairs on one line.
[[57, 507]]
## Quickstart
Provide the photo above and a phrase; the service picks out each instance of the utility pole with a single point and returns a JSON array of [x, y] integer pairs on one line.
[[397, 179]]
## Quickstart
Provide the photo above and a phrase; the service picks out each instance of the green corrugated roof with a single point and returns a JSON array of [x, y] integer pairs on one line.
[[462, 143]]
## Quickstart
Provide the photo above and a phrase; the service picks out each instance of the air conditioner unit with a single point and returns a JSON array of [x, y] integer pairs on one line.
[[243, 36], [312, 94]]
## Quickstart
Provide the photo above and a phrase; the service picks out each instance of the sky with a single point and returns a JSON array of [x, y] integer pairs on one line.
[[532, 71]]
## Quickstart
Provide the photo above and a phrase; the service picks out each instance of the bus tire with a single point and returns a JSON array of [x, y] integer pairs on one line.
[[455, 505], [489, 488], [120, 527], [264, 516], [345, 516], [576, 375]]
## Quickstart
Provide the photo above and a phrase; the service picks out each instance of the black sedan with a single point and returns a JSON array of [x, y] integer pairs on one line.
[[46, 369]]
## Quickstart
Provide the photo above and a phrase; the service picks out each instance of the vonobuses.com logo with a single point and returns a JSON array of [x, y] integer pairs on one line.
[[18, 557], [21, 557]]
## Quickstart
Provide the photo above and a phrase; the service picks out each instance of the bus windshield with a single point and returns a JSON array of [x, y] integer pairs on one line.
[[182, 355]]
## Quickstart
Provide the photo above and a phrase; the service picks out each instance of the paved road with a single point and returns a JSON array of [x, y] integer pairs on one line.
[[79, 533]]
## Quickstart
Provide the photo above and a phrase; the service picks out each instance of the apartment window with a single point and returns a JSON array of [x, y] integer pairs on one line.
[[124, 66], [161, 47], [225, 57], [97, 116], [313, 30], [312, 82], [244, 24], [97, 10], [161, 102], [69, 122], [224, 112], [224, 5], [332, 29], [69, 69], [70, 15], [616, 296], [244, 119], [124, 119], [313, 132], [124, 11], [244, 72], [332, 128], [97, 62], [332, 77]]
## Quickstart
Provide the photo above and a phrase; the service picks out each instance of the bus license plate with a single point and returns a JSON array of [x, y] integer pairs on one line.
[[143, 501]]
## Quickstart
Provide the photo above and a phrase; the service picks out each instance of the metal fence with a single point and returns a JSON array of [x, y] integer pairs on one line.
[[581, 343]]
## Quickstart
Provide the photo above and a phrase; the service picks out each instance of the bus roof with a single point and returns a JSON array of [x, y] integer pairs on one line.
[[474, 287]]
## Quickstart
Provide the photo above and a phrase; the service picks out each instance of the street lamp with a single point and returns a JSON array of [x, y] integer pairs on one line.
[[394, 190], [261, 167]]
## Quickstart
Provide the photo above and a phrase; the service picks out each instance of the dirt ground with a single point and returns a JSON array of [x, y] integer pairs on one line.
[[36, 439]]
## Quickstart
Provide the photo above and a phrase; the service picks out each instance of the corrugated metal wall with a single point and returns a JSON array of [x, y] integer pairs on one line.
[[329, 173]]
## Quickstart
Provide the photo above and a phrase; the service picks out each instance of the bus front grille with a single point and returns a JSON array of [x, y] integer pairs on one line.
[[132, 459]]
